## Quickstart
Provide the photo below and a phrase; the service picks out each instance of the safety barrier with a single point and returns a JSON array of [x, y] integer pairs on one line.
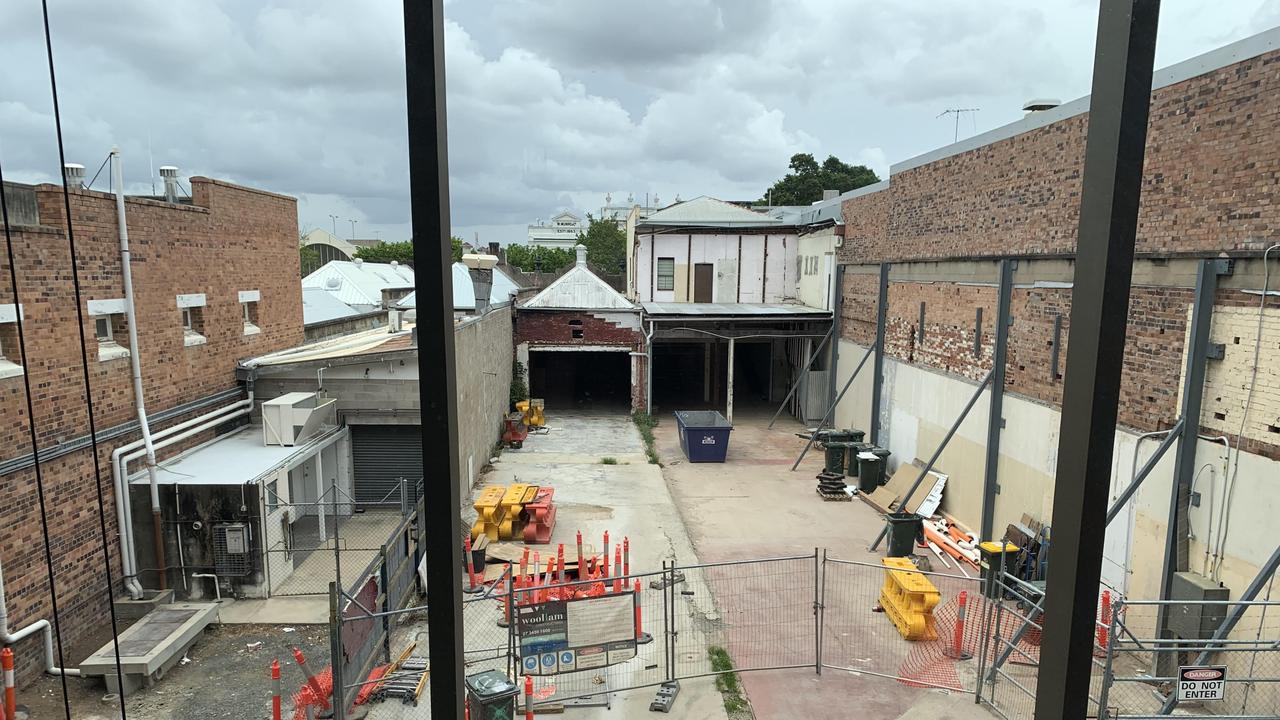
[[908, 599]]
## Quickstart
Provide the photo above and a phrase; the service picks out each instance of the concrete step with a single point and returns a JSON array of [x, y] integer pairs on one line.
[[151, 646]]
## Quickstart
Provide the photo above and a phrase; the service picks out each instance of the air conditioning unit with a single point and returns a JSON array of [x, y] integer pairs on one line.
[[295, 417]]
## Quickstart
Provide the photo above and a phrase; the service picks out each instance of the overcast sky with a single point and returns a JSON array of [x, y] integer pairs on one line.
[[552, 103]]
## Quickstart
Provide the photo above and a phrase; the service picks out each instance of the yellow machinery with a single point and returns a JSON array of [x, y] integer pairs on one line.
[[513, 502], [908, 598], [532, 410], [492, 513]]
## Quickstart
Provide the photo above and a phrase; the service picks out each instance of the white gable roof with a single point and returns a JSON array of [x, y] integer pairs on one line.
[[579, 289], [358, 283], [710, 212], [464, 295], [319, 306]]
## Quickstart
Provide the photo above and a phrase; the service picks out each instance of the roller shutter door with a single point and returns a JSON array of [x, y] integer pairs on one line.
[[382, 454]]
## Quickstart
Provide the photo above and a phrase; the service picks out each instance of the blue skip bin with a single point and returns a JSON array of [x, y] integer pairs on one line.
[[704, 435]]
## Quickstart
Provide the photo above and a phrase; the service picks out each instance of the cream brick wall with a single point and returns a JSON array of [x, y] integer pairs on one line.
[[1227, 381]]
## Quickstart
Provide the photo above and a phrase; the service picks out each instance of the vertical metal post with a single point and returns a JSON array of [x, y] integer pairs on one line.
[[335, 652], [877, 369], [729, 386], [1177, 551], [995, 416], [817, 610], [1114, 152], [813, 437], [668, 582], [384, 580], [801, 374], [433, 282], [836, 304], [1108, 675]]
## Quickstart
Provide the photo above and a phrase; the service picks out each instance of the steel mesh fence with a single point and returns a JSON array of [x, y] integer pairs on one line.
[[1141, 672]]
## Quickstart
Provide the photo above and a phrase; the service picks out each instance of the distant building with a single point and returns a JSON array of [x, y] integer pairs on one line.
[[618, 213], [562, 232]]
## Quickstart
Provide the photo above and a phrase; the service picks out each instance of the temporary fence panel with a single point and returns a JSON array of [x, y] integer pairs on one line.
[[1238, 677], [860, 636], [362, 637]]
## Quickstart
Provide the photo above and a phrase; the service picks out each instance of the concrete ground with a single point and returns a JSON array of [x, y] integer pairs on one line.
[[628, 499], [754, 506]]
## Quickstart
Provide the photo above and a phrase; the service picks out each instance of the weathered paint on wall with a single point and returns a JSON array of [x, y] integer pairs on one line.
[[748, 267], [815, 268]]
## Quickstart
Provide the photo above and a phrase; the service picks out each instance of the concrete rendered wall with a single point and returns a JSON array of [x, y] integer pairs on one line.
[[750, 267], [483, 353]]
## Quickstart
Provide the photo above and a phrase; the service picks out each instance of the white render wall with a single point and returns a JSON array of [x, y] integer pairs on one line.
[[749, 268]]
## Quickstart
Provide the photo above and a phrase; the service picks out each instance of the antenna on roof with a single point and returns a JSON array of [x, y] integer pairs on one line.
[[957, 112], [151, 161]]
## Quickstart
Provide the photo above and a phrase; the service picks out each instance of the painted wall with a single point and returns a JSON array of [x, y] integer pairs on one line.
[[815, 268], [749, 268]]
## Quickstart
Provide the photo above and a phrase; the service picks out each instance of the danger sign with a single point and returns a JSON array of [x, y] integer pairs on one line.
[[1202, 683]]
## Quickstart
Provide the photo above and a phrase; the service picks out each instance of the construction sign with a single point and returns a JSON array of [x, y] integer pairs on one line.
[[1199, 682], [561, 636]]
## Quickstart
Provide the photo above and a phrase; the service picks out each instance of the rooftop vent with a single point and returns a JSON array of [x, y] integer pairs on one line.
[[581, 250], [358, 261], [73, 173], [1040, 105], [480, 268], [333, 283], [830, 194], [170, 175]]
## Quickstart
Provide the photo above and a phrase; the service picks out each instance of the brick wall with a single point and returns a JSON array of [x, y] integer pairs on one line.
[[229, 239], [1209, 184], [538, 327]]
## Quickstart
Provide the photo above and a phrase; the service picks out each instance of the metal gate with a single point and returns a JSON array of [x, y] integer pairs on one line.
[[382, 455]]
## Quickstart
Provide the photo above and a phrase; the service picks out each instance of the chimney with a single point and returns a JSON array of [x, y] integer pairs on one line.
[[73, 174], [582, 254], [1040, 105], [830, 194], [170, 175], [480, 268], [493, 248]]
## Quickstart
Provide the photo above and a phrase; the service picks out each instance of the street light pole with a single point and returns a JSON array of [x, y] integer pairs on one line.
[[334, 218], [353, 228]]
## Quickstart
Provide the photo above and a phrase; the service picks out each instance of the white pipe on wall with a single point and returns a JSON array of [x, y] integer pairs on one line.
[[119, 468], [40, 625]]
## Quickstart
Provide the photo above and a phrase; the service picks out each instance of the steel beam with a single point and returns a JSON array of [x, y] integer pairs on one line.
[[1177, 551], [977, 392], [995, 415], [433, 282], [1150, 465], [832, 408], [1261, 580], [877, 368], [1114, 150], [837, 301], [800, 376]]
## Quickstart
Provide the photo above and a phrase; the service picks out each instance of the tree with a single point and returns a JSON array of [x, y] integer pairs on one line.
[[806, 181], [309, 260], [401, 252], [536, 258], [606, 244]]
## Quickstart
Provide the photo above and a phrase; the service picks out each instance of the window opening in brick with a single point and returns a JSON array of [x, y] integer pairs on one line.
[[10, 351], [250, 312], [1219, 416], [112, 332], [193, 326]]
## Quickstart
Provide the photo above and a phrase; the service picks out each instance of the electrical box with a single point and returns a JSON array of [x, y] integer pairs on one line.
[[1193, 620], [232, 549]]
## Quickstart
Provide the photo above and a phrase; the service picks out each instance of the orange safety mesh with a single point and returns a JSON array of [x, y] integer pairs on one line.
[[306, 697]]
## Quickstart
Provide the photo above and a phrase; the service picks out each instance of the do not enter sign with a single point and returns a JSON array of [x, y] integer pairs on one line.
[[1202, 683]]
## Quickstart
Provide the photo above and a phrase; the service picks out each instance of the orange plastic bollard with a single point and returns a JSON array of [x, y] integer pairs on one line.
[[1105, 625], [471, 570], [524, 563], [957, 641], [528, 698], [617, 561], [626, 556], [560, 563], [311, 678], [581, 568], [606, 553], [275, 689], [10, 698]]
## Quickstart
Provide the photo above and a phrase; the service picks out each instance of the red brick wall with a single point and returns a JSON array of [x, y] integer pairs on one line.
[[230, 239], [1206, 185], [543, 327]]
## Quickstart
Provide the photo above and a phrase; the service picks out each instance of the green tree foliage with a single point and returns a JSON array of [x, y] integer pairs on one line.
[[606, 245], [401, 252], [534, 259], [309, 259], [519, 386], [807, 179]]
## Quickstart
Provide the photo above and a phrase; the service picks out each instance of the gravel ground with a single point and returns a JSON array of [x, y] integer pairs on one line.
[[224, 678]]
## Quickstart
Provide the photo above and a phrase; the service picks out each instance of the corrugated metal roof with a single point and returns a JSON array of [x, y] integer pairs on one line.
[[377, 340], [710, 212], [464, 294], [579, 288], [358, 283], [731, 309], [318, 306], [236, 458]]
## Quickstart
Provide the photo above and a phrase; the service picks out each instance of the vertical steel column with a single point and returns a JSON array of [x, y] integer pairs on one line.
[[433, 282], [1114, 152], [995, 416], [729, 386], [1177, 551], [877, 369], [836, 304]]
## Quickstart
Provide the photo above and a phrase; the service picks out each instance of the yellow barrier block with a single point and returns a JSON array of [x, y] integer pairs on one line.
[[513, 501], [491, 513], [908, 598]]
